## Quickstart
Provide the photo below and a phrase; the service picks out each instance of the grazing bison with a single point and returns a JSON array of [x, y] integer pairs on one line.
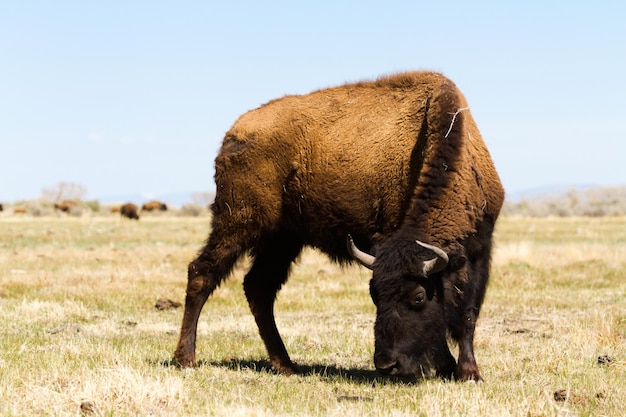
[[154, 205], [65, 205], [399, 165], [129, 210]]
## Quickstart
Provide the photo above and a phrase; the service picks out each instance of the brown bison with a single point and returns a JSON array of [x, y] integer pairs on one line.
[[399, 165], [65, 205], [129, 210], [154, 205]]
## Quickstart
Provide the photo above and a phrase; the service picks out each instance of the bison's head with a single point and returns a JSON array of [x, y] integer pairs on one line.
[[407, 289]]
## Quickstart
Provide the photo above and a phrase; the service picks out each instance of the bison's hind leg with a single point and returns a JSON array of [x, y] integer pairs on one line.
[[204, 274], [269, 271]]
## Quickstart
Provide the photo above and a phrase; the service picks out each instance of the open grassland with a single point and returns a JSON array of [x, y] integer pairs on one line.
[[79, 327]]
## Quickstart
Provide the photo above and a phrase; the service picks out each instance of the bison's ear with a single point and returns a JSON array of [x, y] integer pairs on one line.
[[457, 261], [438, 263]]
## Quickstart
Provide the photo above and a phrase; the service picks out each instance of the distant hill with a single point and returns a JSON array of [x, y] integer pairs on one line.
[[549, 190], [568, 201]]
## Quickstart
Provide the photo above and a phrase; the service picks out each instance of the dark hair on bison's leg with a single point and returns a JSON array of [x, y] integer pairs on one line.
[[469, 307], [204, 274], [467, 369], [270, 269]]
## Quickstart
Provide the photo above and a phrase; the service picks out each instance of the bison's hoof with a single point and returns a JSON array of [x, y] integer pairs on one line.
[[445, 373], [469, 374], [286, 369], [185, 362]]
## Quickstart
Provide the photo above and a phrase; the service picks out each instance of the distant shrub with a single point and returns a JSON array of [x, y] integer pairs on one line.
[[192, 210], [36, 211], [76, 211], [93, 205], [203, 198]]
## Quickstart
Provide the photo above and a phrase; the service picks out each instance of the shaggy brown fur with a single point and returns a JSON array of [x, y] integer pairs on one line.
[[65, 205], [129, 210], [389, 162], [154, 205]]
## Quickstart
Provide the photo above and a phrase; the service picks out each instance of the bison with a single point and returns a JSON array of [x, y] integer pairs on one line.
[[392, 173], [129, 210], [154, 205], [65, 205]]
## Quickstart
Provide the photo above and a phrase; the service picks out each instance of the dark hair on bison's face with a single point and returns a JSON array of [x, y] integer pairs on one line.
[[410, 329], [407, 289]]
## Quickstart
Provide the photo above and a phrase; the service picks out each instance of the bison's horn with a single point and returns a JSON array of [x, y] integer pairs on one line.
[[364, 259], [437, 264]]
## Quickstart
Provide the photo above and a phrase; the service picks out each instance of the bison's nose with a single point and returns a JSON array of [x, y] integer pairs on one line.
[[385, 365], [388, 369]]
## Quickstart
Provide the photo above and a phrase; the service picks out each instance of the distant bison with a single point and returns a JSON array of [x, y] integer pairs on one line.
[[1, 207], [399, 165], [129, 210], [154, 205], [65, 206]]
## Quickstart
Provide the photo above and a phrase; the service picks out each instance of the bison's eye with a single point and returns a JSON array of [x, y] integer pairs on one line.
[[418, 297]]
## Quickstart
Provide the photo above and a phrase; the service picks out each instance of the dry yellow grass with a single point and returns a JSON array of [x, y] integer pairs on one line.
[[79, 327]]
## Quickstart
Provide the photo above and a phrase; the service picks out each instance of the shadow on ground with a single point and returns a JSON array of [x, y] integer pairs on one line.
[[328, 372]]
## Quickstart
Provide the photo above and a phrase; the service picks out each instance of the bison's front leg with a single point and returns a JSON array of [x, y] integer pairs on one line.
[[466, 369], [473, 296], [445, 364]]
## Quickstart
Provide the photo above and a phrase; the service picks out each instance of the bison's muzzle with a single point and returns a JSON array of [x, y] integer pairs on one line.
[[396, 365]]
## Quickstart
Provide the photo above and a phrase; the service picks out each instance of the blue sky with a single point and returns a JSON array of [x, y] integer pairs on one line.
[[134, 97]]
